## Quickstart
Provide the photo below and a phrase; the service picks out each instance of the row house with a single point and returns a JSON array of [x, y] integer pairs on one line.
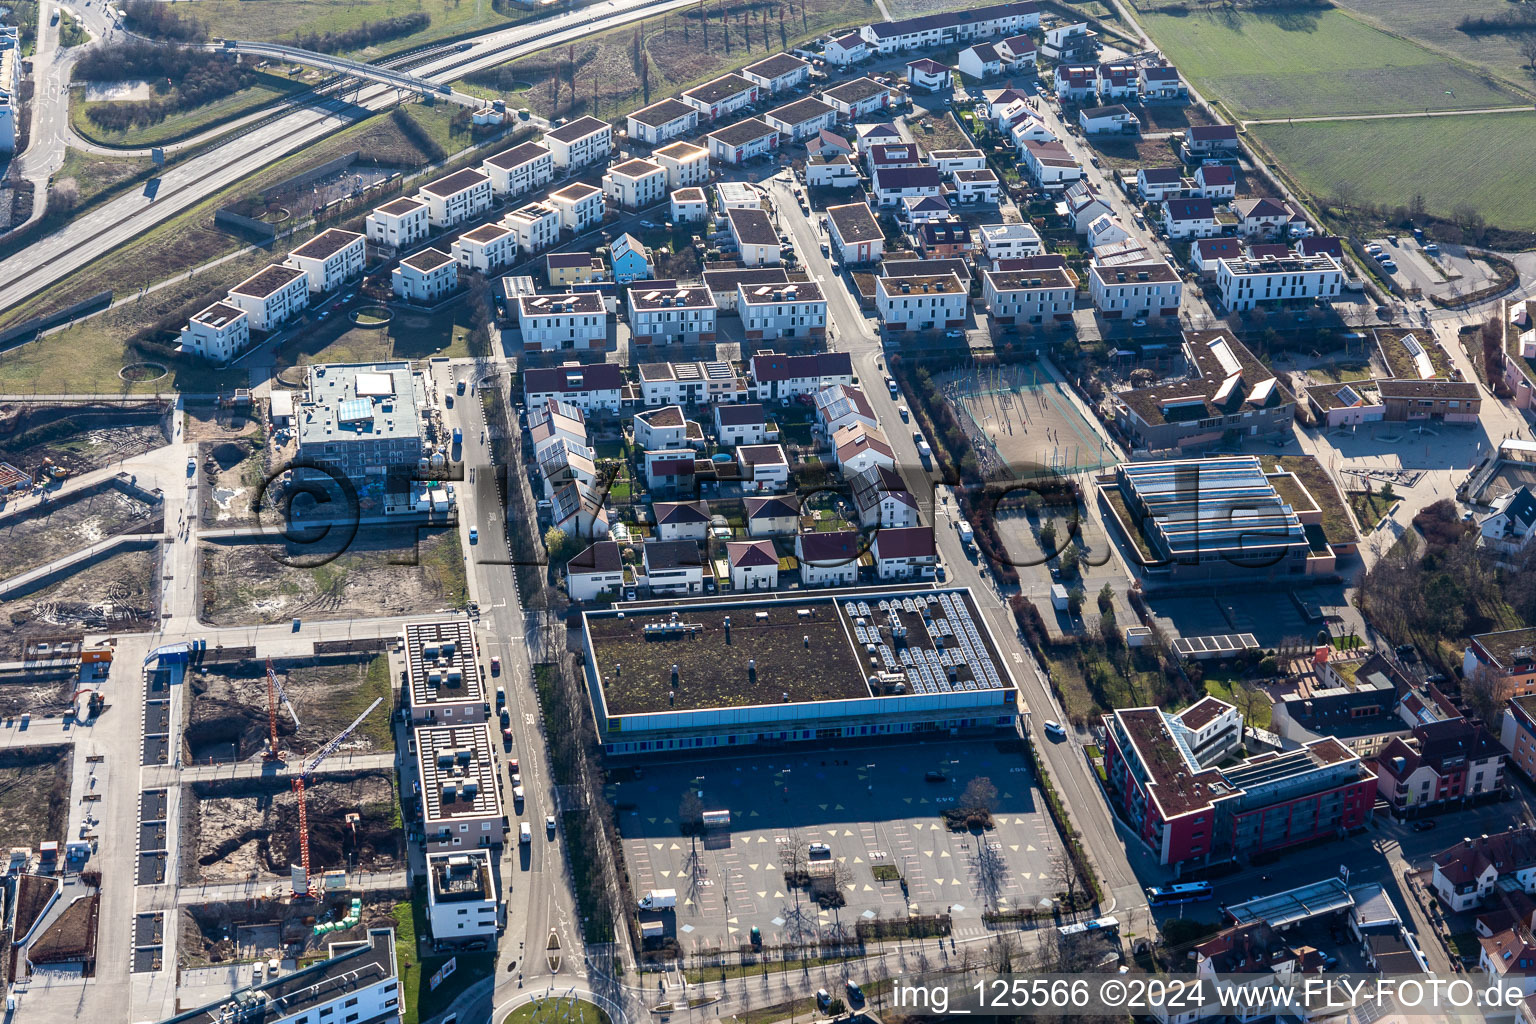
[[1190, 218], [425, 278], [778, 74], [690, 383], [980, 62], [1440, 764], [796, 310], [1050, 165], [743, 141], [741, 423], [589, 387], [841, 406], [775, 515], [881, 497], [1076, 82], [951, 161], [661, 122], [722, 97], [775, 376], [330, 259], [686, 164], [1017, 54], [457, 197], [1116, 81], [636, 184], [1010, 241], [485, 248], [1114, 119], [1155, 184], [1466, 874], [722, 283], [673, 567], [892, 185], [757, 243], [662, 312], [802, 118], [578, 143], [890, 156], [950, 27], [858, 447], [399, 224], [551, 323], [522, 168]]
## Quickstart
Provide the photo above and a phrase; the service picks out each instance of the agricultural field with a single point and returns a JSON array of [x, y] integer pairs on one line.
[[1438, 26], [1315, 62], [1392, 160], [612, 73]]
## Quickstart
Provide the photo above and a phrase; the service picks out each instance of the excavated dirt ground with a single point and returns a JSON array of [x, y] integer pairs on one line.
[[228, 720], [265, 929], [31, 538], [235, 472], [44, 698], [248, 829], [34, 795], [118, 594], [378, 573], [79, 438], [206, 422]]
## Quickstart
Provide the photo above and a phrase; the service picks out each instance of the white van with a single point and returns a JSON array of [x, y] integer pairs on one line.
[[524, 833]]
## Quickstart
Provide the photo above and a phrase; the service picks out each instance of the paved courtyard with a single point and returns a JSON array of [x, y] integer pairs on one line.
[[871, 805]]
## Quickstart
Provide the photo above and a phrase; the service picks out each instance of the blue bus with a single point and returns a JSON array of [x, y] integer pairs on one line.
[[1172, 895]]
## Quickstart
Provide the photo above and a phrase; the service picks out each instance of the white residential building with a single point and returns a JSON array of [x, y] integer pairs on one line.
[[1160, 83], [921, 303], [1068, 42], [802, 119], [981, 186], [1017, 53], [218, 333], [1049, 164], [580, 205], [756, 242], [689, 205], [904, 552], [520, 169], [1114, 119], [588, 387], [859, 97], [456, 197], [551, 323], [598, 570], [948, 161], [661, 122], [980, 62], [828, 559], [1246, 282], [425, 278], [583, 141], [846, 50], [462, 902], [882, 498], [636, 184], [929, 75], [330, 259], [1036, 296], [1191, 217], [797, 310], [892, 185], [741, 423], [485, 248], [399, 224], [662, 312], [830, 172], [271, 296], [855, 233], [1010, 241], [722, 97], [779, 73], [743, 141], [778, 376], [949, 27], [765, 465], [754, 564], [685, 164], [537, 226], [1136, 290], [690, 383]]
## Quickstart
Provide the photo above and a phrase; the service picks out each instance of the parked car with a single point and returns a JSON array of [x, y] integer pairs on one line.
[[934, 775], [1424, 824]]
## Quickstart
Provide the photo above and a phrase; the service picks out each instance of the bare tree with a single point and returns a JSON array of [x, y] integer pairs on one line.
[[1480, 691], [1527, 50], [690, 814], [1064, 871]]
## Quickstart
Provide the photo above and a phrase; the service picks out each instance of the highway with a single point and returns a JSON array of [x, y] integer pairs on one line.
[[98, 231]]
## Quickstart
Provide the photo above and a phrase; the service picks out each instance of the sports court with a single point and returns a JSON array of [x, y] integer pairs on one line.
[[1019, 417]]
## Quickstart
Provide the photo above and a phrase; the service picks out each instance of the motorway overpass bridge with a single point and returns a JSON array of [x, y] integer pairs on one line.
[[401, 80]]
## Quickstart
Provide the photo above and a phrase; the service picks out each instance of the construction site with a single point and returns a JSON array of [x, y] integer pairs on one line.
[[38, 535], [240, 830], [375, 573], [261, 929], [78, 438], [119, 593], [34, 794], [228, 716]]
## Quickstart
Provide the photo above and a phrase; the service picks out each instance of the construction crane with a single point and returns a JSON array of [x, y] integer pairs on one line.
[[275, 695], [298, 788]]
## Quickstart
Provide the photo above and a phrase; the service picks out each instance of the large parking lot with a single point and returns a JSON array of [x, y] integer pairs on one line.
[[871, 805]]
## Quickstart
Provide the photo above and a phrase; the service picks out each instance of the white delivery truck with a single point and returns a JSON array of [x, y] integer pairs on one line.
[[967, 535], [659, 899]]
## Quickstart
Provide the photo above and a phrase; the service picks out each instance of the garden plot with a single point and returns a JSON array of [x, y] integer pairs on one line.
[[244, 829]]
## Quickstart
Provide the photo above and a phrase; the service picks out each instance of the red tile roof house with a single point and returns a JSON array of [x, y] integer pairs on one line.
[[904, 552], [754, 564], [1441, 764], [828, 559], [1206, 251], [1466, 873], [596, 571]]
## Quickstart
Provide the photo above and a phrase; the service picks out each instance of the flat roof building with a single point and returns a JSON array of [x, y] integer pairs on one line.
[[461, 899], [460, 793], [364, 419], [723, 673], [443, 685]]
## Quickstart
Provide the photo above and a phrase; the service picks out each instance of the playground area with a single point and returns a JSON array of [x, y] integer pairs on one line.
[[1020, 420]]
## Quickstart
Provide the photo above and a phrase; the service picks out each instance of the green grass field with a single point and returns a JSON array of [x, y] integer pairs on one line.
[[1314, 62], [185, 124], [1434, 25], [282, 19], [557, 1011], [1392, 160]]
